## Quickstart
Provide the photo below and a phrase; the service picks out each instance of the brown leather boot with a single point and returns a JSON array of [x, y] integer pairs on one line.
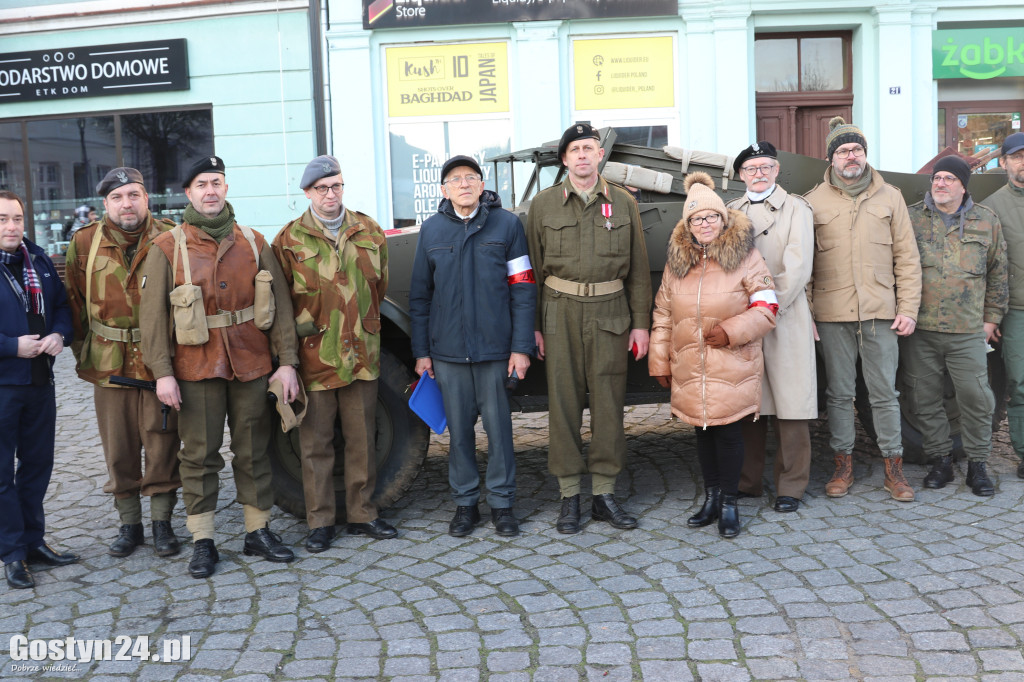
[[896, 482], [842, 479]]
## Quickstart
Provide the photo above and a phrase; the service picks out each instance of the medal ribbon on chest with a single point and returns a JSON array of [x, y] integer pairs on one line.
[[606, 211]]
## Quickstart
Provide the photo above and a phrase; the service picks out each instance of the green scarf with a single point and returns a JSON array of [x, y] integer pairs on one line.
[[218, 227], [857, 187]]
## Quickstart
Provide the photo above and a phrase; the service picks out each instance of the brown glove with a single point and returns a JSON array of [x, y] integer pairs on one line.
[[717, 338]]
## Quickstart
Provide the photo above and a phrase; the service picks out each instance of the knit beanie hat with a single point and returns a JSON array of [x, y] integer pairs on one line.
[[840, 133], [955, 165], [700, 195]]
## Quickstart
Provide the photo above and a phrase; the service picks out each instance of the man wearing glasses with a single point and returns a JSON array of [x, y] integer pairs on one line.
[[1008, 203], [335, 261], [963, 299], [784, 234], [472, 299], [866, 289]]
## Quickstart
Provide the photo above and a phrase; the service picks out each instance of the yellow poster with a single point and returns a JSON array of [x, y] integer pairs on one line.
[[447, 80], [624, 73]]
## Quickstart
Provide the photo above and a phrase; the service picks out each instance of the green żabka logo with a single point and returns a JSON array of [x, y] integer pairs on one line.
[[980, 54]]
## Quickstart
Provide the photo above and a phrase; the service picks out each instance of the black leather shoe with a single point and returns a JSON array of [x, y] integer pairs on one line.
[[941, 473], [319, 539], [728, 517], [569, 520], [264, 543], [378, 528], [505, 522], [786, 504], [1020, 469], [977, 478], [44, 554], [165, 542], [128, 538], [604, 508], [464, 520], [204, 559], [708, 512], [18, 576]]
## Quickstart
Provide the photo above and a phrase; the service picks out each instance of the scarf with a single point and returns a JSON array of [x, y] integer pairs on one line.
[[332, 226], [758, 197], [30, 289], [217, 227], [858, 185]]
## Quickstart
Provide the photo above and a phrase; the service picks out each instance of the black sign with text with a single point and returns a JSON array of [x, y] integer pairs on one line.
[[94, 71], [416, 13]]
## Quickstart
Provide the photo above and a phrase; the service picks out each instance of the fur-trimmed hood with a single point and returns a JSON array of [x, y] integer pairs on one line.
[[729, 249]]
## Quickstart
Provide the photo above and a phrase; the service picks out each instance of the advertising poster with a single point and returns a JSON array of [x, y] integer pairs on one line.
[[624, 73], [447, 80]]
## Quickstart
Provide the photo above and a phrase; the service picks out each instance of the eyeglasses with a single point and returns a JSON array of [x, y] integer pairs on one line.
[[754, 170], [712, 219], [459, 179], [944, 179], [322, 190], [846, 153]]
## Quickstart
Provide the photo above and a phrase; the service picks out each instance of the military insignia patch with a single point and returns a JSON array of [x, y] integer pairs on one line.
[[692, 204], [122, 177], [327, 168], [756, 148], [767, 280], [213, 161], [579, 129]]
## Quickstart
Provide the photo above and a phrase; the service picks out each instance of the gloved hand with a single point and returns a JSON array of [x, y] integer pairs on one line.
[[717, 338]]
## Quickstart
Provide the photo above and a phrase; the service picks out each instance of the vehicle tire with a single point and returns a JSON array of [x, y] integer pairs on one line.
[[402, 441]]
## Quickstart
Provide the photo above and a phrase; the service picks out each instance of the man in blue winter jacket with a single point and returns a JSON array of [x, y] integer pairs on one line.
[[35, 325], [472, 300]]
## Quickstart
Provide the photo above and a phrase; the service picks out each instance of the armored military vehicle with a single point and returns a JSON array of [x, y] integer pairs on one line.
[[656, 177]]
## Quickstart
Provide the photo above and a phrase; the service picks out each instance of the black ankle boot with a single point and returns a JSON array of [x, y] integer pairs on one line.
[[940, 474], [728, 517], [977, 478], [709, 512]]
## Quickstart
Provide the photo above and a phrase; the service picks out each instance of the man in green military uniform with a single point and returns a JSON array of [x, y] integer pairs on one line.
[[963, 300], [335, 261], [1008, 203], [590, 260], [215, 361], [104, 265]]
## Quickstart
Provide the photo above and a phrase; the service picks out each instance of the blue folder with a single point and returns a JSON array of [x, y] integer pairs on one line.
[[426, 402]]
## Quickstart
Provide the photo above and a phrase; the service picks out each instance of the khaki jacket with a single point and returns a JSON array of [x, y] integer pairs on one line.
[[336, 289], [701, 288], [115, 300], [1008, 203], [866, 264], [225, 272]]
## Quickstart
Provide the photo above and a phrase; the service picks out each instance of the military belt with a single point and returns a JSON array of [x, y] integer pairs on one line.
[[226, 318], [565, 286], [133, 335]]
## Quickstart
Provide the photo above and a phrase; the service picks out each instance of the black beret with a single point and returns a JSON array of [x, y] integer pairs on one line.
[[954, 165], [756, 150], [576, 131], [457, 161], [119, 177], [321, 167], [207, 164]]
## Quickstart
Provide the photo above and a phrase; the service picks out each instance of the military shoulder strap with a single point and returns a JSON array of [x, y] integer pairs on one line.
[[180, 247], [94, 248], [251, 238]]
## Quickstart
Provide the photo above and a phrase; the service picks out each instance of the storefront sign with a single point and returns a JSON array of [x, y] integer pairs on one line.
[[447, 80], [980, 53], [624, 73], [415, 13], [94, 71]]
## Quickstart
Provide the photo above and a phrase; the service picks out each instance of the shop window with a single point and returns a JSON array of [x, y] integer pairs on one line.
[[800, 64], [978, 129], [69, 156]]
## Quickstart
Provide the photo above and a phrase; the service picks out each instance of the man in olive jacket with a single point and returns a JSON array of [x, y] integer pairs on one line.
[[335, 261], [1008, 203], [866, 289], [963, 299], [104, 270]]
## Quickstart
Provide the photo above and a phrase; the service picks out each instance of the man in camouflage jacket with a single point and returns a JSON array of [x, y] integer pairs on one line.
[[336, 263], [105, 313], [964, 296]]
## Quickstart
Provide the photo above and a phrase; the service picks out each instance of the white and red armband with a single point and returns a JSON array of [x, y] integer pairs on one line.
[[765, 298], [520, 271]]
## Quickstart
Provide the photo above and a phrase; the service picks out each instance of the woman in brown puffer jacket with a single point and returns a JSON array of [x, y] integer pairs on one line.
[[716, 302]]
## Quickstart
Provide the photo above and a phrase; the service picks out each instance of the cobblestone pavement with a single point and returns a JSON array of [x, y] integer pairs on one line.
[[860, 588]]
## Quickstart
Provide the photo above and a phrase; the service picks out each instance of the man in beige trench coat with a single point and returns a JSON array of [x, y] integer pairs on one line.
[[784, 234]]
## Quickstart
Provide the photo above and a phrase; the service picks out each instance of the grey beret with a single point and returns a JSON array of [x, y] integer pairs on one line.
[[321, 167], [119, 177]]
